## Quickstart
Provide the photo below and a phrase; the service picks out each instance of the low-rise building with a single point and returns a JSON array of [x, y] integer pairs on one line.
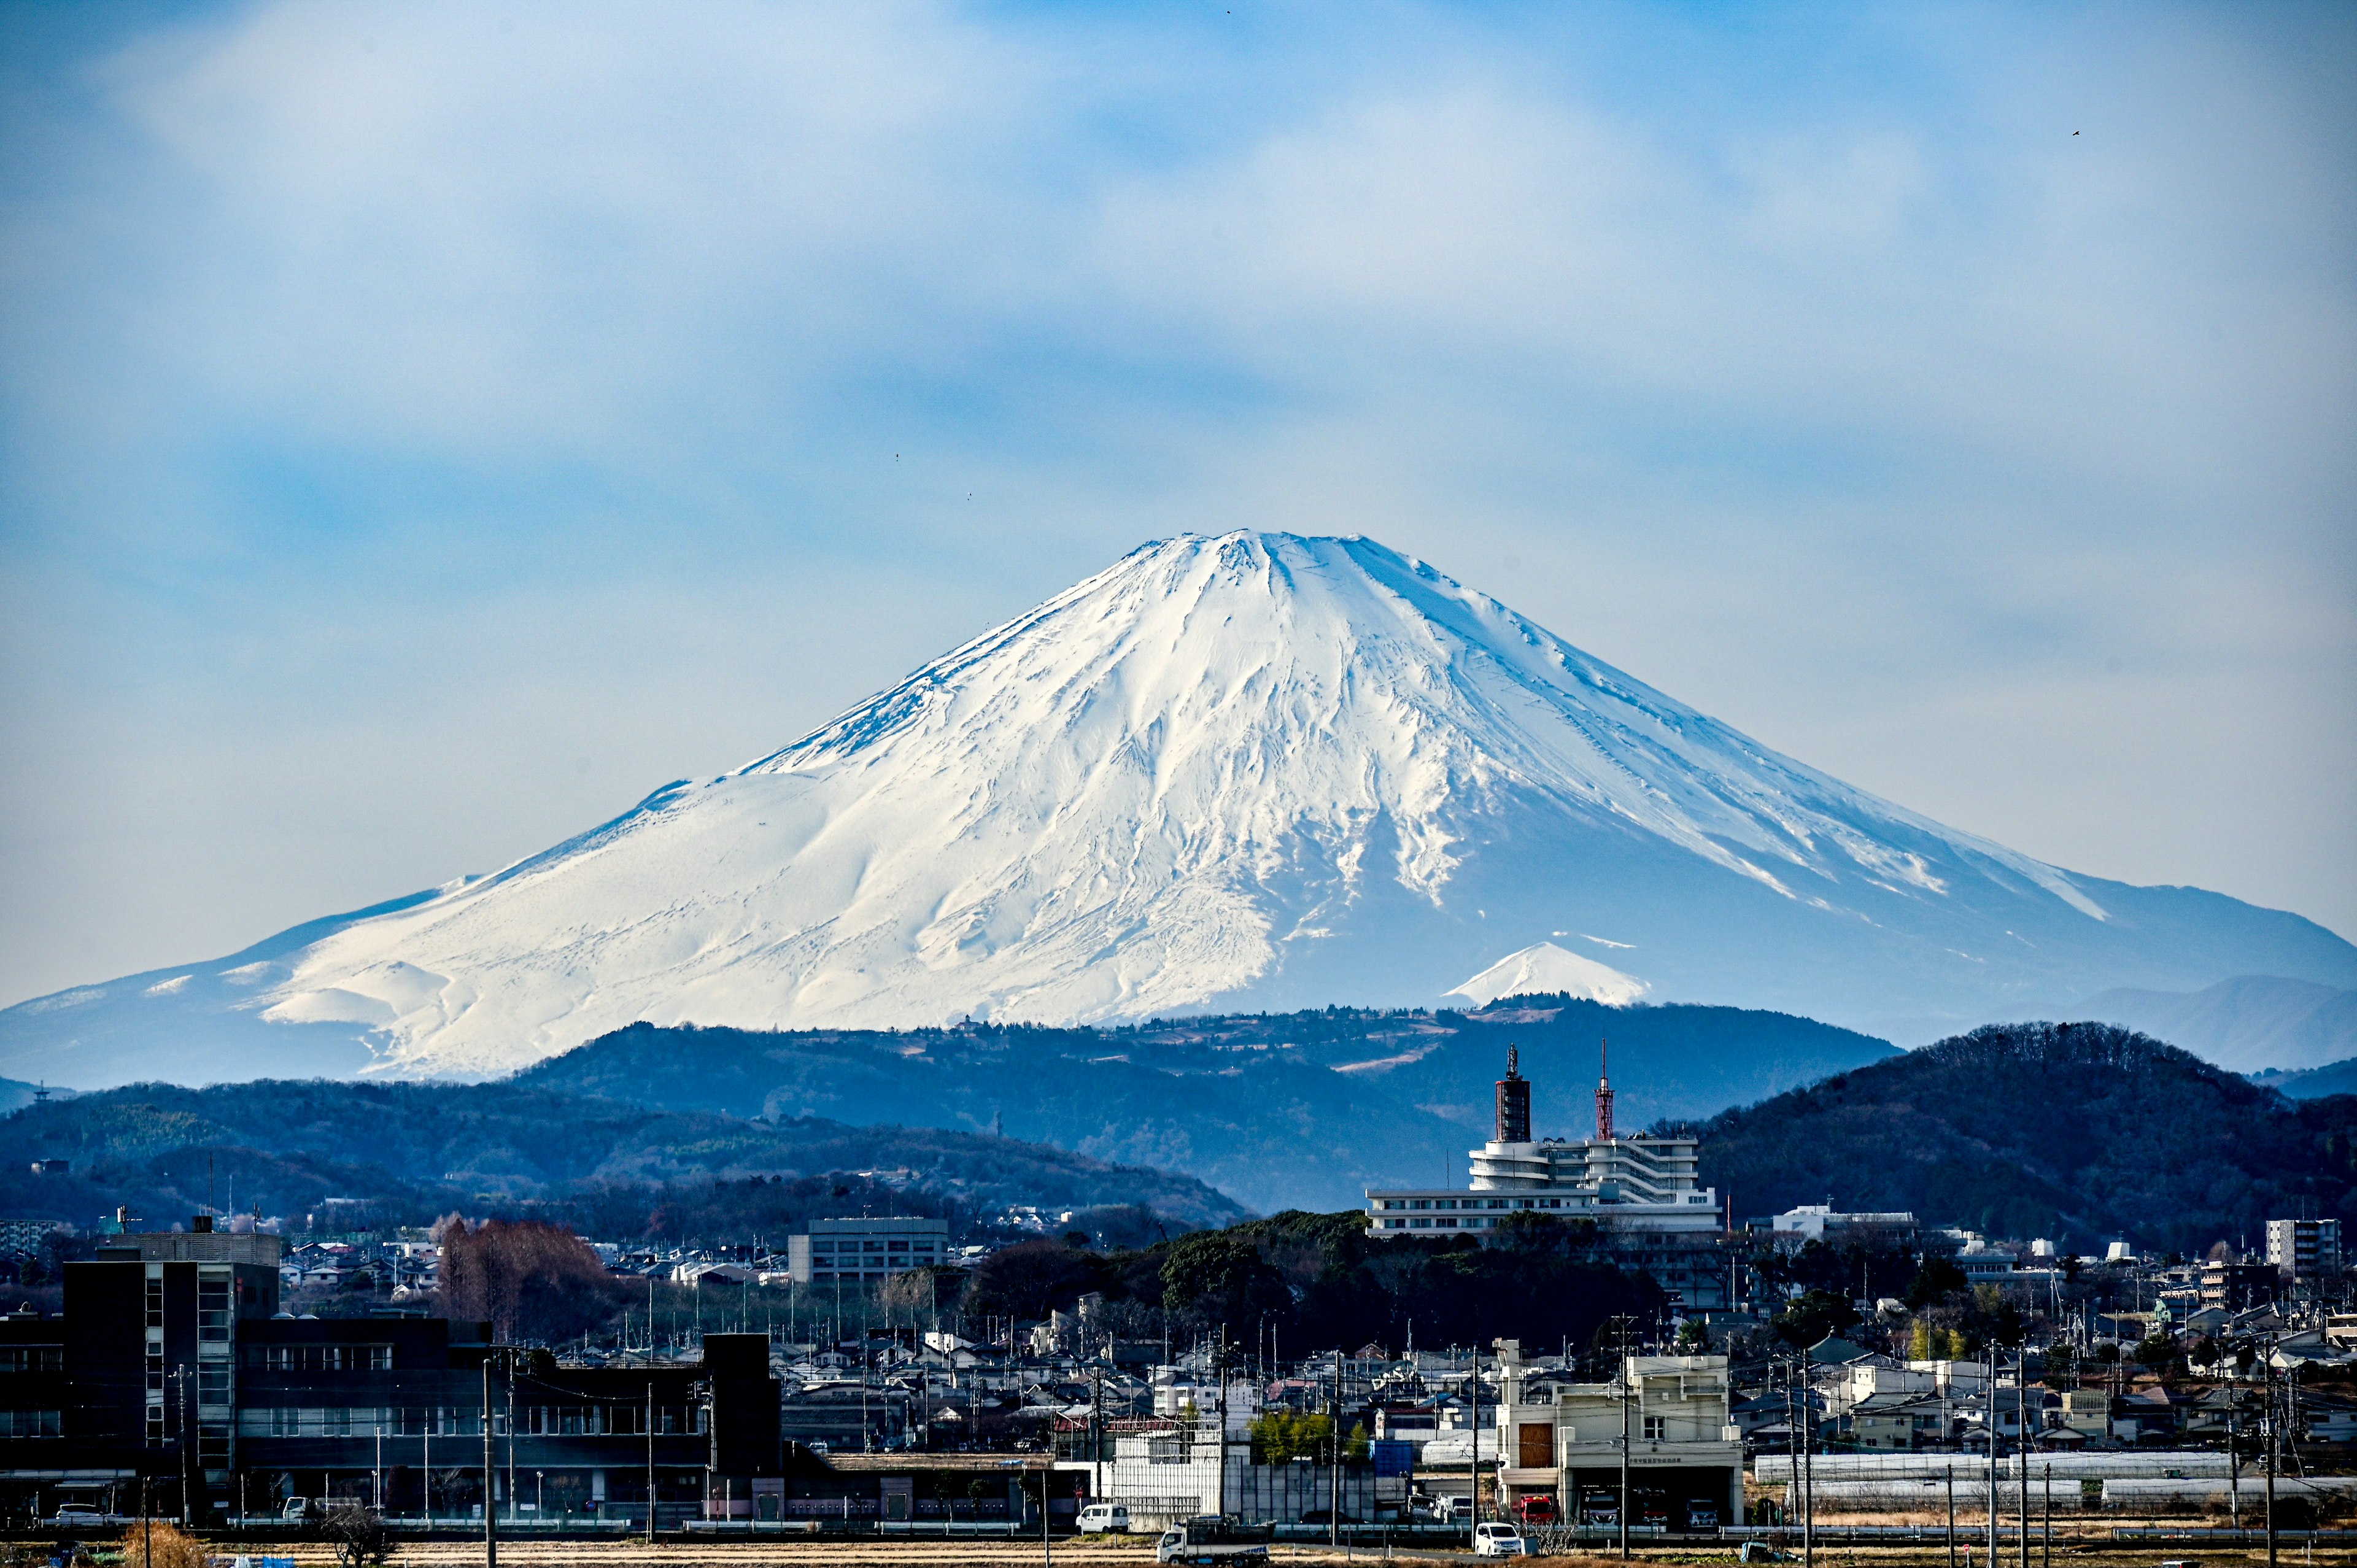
[[1667, 1418], [866, 1251], [1821, 1221]]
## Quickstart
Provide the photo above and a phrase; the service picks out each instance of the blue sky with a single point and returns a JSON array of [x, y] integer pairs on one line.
[[425, 429]]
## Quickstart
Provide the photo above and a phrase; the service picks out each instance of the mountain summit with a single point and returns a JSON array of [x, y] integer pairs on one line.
[[1243, 771]]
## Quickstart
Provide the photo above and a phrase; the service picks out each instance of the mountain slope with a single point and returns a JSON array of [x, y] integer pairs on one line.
[[409, 1150], [1289, 1111], [2083, 1133], [2251, 1022], [1250, 771]]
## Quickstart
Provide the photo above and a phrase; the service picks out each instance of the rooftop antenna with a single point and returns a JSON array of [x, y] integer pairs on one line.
[[1604, 1090]]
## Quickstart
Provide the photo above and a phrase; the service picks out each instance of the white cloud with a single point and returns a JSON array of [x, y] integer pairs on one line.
[[1817, 374]]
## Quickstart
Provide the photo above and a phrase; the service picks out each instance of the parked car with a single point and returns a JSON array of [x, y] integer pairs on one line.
[[1099, 1519], [1497, 1539], [1702, 1516], [74, 1516]]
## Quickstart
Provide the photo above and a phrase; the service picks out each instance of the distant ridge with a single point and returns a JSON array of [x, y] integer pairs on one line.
[[1281, 1111], [2251, 1022], [2082, 1132]]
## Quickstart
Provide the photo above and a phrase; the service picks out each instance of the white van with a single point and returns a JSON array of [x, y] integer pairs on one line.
[[1098, 1518], [1498, 1539]]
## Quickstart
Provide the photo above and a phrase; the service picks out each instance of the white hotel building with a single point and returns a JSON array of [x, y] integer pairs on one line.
[[1627, 1183]]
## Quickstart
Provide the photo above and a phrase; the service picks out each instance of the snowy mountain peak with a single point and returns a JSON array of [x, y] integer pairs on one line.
[[1235, 770], [1545, 968]]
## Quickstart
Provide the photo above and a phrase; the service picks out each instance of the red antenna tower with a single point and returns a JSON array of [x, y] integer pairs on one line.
[[1604, 1090]]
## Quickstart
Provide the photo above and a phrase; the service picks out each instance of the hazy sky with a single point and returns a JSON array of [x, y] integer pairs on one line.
[[425, 429]]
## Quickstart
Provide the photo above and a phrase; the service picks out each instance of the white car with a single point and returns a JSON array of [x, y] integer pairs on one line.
[[72, 1516], [1098, 1518], [1498, 1539]]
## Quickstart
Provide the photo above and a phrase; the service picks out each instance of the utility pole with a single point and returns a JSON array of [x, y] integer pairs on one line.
[[2021, 1421], [2235, 1459], [1473, 1466], [651, 1448], [2046, 1549], [1988, 1426], [2274, 1422], [1218, 1370], [490, 1474], [1952, 1516], [1334, 1454], [1620, 1375], [1808, 1466]]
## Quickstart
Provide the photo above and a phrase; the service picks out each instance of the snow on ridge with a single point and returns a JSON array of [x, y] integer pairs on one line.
[[1083, 814], [1545, 968]]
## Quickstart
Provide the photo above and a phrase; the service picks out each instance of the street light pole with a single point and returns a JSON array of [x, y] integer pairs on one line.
[[490, 1473]]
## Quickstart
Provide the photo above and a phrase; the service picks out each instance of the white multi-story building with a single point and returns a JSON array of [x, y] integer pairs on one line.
[[866, 1251], [1626, 1182]]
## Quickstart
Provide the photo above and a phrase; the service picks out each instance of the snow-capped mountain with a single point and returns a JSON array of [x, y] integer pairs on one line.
[[1235, 772]]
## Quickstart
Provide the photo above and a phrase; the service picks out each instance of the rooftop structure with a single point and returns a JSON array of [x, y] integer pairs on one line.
[[1626, 1182]]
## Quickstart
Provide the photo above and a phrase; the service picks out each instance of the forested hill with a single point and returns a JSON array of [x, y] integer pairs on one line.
[[407, 1153], [1295, 1109], [2084, 1132]]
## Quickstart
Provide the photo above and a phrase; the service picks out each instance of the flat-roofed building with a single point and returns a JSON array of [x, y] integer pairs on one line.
[[866, 1249], [1672, 1414]]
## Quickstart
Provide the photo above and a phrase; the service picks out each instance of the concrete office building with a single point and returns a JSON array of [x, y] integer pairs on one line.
[[2304, 1248], [866, 1251]]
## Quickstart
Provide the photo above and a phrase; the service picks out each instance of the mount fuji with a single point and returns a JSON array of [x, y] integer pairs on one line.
[[1249, 771]]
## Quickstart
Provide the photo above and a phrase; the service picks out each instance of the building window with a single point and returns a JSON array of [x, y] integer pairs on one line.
[[822, 1245], [32, 1357], [212, 1311], [32, 1423], [1420, 1203], [1656, 1429], [1445, 1224], [1420, 1224]]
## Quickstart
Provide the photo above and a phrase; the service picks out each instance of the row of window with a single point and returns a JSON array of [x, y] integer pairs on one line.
[[851, 1244], [467, 1421], [1383, 1203], [32, 1423], [320, 1358], [32, 1357], [1443, 1223], [825, 1277]]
